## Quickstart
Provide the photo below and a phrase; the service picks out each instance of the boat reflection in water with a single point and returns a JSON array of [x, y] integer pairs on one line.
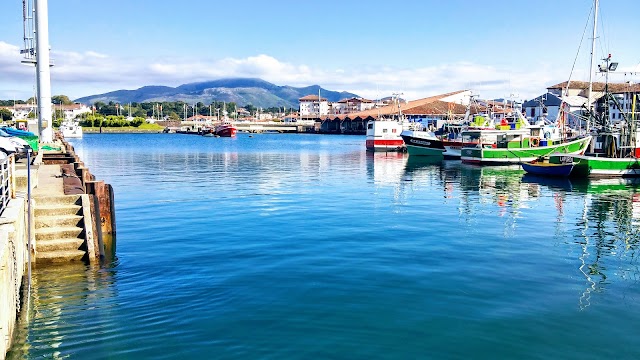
[[601, 236]]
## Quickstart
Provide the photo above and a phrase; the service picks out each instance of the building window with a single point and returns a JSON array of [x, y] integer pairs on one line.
[[393, 131], [384, 131]]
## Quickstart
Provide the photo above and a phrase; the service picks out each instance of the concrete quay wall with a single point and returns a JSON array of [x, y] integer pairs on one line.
[[13, 266], [48, 184]]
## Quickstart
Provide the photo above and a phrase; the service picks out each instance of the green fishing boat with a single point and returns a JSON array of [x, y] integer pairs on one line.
[[615, 150], [514, 147]]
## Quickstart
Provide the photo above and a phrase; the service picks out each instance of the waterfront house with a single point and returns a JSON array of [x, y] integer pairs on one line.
[[73, 110], [313, 106], [351, 105]]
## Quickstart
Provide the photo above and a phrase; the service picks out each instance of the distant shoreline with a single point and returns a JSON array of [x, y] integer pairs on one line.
[[116, 130]]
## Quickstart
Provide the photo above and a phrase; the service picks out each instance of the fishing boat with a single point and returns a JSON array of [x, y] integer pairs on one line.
[[226, 129], [616, 148], [515, 141], [452, 135], [543, 167], [384, 134], [515, 147], [480, 124], [71, 129], [423, 143]]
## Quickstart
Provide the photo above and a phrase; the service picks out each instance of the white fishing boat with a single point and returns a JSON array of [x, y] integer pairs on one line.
[[71, 129]]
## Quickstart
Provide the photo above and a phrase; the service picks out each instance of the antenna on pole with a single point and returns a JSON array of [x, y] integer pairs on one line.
[[36, 52], [29, 50]]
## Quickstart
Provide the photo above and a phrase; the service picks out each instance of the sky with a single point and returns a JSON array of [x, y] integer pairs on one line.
[[496, 48]]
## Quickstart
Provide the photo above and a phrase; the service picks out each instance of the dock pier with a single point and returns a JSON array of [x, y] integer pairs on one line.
[[72, 219]]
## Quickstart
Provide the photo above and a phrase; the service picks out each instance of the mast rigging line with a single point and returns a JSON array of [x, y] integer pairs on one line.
[[584, 32]]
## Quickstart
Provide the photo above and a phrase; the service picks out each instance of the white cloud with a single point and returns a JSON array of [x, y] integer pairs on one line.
[[81, 74]]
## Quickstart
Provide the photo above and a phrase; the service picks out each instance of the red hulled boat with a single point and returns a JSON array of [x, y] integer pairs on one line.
[[226, 130]]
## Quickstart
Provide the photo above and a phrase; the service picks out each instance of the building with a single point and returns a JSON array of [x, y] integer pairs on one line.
[[547, 106], [432, 111], [348, 106], [22, 111], [623, 93], [73, 110], [313, 106]]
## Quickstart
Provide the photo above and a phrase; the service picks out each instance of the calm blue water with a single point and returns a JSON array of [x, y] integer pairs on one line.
[[306, 247]]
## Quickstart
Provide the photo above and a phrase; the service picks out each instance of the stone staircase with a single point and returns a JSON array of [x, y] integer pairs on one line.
[[60, 229]]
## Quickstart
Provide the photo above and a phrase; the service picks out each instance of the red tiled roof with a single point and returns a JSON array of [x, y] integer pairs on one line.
[[430, 105], [311, 98], [598, 86], [355, 100]]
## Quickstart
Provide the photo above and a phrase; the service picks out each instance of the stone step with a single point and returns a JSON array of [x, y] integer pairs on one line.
[[68, 244], [57, 200], [59, 221], [54, 210], [58, 233], [60, 256]]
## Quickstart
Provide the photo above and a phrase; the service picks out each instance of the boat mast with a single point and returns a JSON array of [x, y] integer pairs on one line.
[[593, 58]]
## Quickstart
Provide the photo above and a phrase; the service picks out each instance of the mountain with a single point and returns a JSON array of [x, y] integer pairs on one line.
[[242, 91]]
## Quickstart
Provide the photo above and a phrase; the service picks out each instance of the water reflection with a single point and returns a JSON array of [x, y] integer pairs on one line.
[[62, 300], [271, 246], [604, 229]]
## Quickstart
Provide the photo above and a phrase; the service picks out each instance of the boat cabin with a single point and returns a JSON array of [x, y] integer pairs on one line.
[[497, 138]]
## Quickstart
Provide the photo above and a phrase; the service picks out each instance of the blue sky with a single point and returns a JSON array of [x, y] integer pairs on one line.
[[420, 48]]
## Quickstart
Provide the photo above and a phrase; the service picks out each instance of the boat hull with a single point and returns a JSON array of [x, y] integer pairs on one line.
[[72, 133], [384, 144], [506, 156], [384, 135], [226, 131], [547, 169], [424, 145], [594, 166]]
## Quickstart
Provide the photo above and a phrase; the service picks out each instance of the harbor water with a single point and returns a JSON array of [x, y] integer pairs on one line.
[[292, 246]]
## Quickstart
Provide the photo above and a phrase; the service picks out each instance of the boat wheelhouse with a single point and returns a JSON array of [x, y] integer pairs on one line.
[[504, 147]]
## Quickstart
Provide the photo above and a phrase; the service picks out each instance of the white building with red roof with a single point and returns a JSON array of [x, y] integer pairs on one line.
[[313, 105]]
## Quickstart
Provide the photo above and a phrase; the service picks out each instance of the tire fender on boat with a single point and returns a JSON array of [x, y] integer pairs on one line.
[[535, 141]]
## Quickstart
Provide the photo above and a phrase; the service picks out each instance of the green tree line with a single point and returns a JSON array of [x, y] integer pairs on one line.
[[111, 121]]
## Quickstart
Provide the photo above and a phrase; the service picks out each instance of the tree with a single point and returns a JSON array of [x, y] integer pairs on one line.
[[61, 99], [58, 114], [140, 113], [174, 116], [6, 114], [250, 108]]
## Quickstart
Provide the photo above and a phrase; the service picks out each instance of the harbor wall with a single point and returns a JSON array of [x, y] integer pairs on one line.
[[13, 265], [99, 225]]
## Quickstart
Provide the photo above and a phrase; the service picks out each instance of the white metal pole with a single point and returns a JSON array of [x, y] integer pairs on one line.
[[593, 58], [42, 71]]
